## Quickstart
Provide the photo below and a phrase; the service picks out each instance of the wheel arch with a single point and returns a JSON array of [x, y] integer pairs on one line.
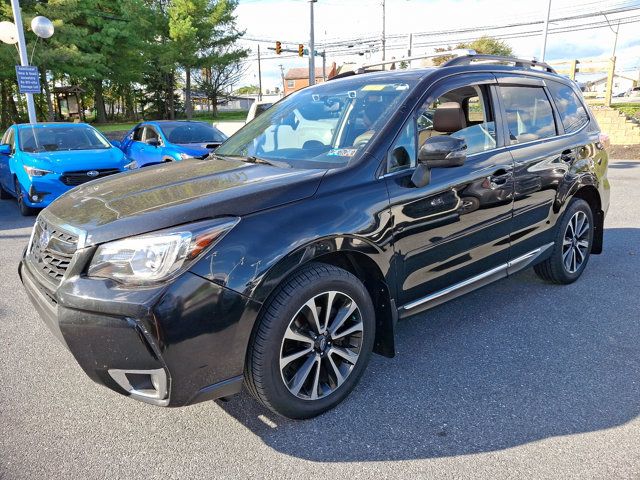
[[590, 194], [360, 264]]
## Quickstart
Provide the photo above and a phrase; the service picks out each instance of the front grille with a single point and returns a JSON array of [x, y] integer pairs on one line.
[[52, 250], [82, 176]]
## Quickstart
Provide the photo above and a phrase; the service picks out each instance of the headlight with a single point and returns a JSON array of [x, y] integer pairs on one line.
[[35, 172], [158, 256], [131, 166], [185, 156]]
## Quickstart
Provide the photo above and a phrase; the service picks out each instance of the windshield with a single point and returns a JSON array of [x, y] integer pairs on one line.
[[320, 127], [52, 139], [182, 132]]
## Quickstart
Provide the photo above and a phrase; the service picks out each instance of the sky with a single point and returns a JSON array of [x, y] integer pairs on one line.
[[360, 21]]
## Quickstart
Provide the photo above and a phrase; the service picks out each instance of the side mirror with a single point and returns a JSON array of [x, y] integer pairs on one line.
[[116, 143], [5, 149], [441, 151], [154, 142]]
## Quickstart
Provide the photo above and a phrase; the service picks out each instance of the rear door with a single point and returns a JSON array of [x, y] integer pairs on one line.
[[457, 227], [542, 155]]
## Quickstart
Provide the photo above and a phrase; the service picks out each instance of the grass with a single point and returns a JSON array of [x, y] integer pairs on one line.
[[221, 117]]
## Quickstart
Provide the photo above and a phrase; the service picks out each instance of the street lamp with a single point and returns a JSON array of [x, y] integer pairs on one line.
[[12, 33]]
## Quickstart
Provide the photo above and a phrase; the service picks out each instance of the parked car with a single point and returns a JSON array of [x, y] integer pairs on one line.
[[284, 266], [40, 162], [258, 107], [151, 143]]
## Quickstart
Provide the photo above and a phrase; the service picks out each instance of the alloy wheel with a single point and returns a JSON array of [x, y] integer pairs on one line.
[[575, 244], [321, 345]]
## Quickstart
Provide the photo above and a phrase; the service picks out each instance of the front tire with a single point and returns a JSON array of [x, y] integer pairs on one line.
[[572, 247], [312, 343], [25, 210]]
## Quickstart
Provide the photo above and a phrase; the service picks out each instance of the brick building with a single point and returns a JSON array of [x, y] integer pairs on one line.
[[297, 78]]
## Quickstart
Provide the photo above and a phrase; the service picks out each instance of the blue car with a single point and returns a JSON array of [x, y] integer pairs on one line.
[[153, 142], [39, 162]]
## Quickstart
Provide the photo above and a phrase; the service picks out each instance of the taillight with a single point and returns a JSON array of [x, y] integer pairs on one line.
[[604, 141]]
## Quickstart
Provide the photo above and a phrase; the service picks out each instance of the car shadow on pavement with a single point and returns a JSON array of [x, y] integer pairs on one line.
[[515, 362], [11, 219]]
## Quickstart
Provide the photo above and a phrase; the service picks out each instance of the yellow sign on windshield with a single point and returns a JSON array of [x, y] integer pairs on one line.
[[373, 88]]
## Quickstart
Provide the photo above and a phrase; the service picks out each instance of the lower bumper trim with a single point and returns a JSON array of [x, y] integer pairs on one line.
[[226, 388]]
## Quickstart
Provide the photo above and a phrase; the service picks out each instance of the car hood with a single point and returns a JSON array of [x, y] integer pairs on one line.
[[71, 160], [171, 194]]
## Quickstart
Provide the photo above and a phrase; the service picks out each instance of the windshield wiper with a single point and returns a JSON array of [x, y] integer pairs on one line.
[[254, 159]]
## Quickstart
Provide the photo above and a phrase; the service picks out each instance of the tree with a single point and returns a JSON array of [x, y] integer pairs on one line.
[[248, 90], [485, 44]]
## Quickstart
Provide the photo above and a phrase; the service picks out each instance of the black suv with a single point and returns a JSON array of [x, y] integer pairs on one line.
[[284, 259]]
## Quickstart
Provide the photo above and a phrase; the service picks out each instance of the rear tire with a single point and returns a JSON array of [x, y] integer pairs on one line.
[[572, 248], [25, 210], [300, 364]]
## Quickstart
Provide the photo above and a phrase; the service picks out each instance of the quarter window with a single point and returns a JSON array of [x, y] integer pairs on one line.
[[571, 110], [529, 114]]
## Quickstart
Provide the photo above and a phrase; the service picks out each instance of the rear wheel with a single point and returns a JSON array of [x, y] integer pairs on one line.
[[572, 248], [313, 342], [25, 210]]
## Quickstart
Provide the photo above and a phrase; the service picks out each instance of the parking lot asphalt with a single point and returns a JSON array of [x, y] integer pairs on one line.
[[520, 379]]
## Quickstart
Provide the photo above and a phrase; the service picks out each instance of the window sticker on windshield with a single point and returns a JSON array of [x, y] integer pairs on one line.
[[373, 88], [351, 93], [342, 152]]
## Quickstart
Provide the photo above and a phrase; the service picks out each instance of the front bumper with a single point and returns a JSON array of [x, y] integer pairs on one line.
[[190, 335]]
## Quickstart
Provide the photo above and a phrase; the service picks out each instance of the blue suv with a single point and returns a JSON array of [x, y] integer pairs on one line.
[[150, 143], [39, 162]]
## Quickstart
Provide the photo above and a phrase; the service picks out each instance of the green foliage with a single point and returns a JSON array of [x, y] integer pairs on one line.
[[247, 90], [485, 44], [127, 55]]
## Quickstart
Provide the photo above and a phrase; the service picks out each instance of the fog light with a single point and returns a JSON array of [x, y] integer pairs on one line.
[[35, 198], [146, 385]]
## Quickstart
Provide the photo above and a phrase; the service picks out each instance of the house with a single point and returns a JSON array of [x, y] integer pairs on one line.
[[297, 78], [598, 85]]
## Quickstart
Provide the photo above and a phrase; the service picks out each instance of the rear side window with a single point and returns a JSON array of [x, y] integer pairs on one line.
[[570, 108], [529, 113]]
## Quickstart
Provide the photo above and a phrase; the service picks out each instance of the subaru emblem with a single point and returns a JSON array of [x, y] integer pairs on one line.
[[45, 238], [93, 173]]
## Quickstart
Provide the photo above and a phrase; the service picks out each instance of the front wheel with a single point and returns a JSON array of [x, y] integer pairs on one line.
[[25, 210], [572, 248], [312, 343]]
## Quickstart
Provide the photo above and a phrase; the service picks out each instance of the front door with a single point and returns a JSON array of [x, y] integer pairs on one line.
[[456, 227]]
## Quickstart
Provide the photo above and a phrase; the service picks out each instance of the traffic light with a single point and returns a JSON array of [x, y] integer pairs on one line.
[[300, 50], [278, 47]]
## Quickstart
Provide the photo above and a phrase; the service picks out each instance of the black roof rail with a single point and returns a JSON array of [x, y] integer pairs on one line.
[[519, 62]]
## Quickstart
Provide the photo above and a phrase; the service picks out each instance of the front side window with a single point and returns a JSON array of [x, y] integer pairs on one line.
[[464, 113], [324, 126], [36, 139], [529, 113], [150, 133], [571, 110]]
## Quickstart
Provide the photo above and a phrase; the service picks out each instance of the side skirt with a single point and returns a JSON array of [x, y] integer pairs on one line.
[[473, 283]]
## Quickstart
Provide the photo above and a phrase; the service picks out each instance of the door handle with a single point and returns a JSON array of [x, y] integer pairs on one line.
[[499, 177]]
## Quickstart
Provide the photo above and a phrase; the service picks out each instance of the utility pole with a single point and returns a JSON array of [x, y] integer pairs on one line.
[[324, 66], [24, 59], [409, 49], [545, 31], [259, 76], [384, 37], [282, 76], [312, 52]]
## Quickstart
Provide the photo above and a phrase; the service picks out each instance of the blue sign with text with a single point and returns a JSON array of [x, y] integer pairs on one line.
[[28, 79]]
